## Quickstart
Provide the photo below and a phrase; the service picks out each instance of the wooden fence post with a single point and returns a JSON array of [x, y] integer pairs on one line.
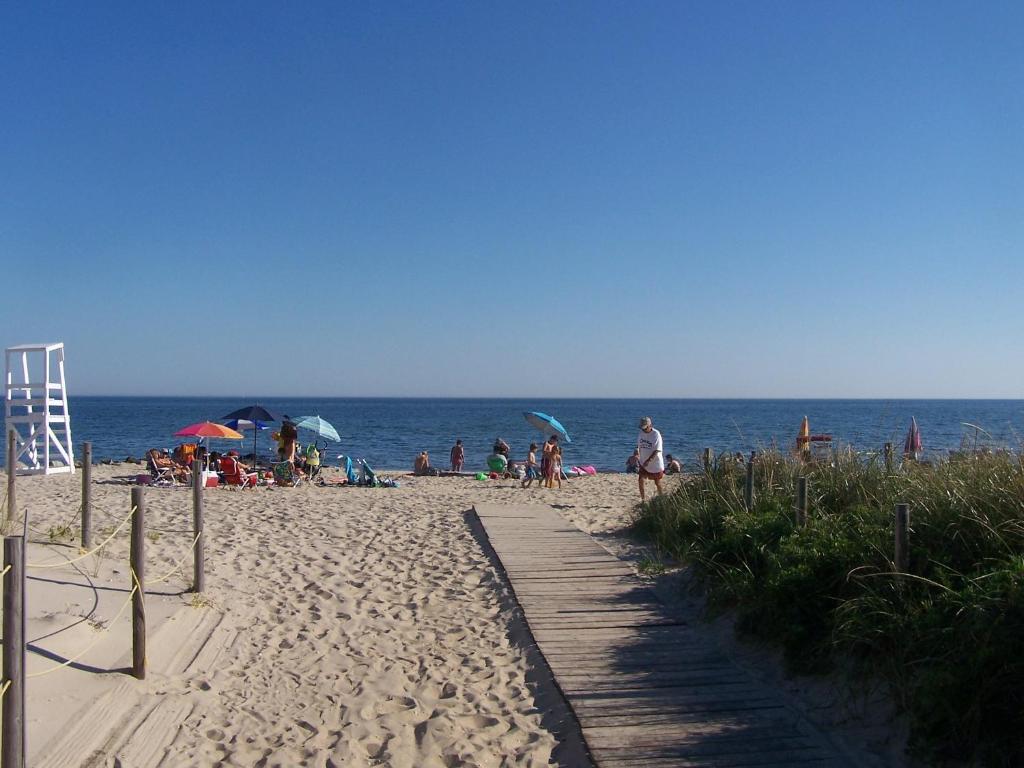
[[12, 753], [748, 490], [707, 461], [901, 561], [801, 501], [198, 574], [887, 450], [86, 495], [138, 567], [12, 466]]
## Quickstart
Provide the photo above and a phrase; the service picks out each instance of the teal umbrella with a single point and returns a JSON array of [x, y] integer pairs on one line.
[[549, 425], [321, 427]]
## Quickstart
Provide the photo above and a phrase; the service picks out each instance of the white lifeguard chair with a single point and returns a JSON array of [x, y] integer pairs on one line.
[[37, 409]]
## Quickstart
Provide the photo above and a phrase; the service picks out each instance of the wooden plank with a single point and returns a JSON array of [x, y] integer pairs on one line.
[[647, 688]]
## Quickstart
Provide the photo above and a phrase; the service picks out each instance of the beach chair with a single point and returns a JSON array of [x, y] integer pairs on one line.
[[184, 454], [350, 473], [366, 475], [164, 471], [285, 474], [232, 474]]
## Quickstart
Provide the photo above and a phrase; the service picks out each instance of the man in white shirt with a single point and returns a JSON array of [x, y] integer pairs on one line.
[[652, 465]]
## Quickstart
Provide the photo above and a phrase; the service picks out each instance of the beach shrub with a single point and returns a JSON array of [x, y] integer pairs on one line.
[[945, 636]]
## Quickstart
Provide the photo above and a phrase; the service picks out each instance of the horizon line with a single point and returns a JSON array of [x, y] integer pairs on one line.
[[546, 397]]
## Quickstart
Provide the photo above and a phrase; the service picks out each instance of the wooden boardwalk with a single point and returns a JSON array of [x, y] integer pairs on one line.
[[647, 689]]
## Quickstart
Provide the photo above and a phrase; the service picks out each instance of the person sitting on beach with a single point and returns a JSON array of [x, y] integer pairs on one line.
[[458, 456], [496, 462], [422, 464], [633, 462], [241, 467], [184, 453], [672, 465], [532, 472], [201, 459], [214, 461], [163, 463], [501, 447]]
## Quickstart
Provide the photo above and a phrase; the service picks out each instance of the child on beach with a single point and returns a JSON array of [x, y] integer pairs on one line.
[[556, 455], [547, 466], [531, 467]]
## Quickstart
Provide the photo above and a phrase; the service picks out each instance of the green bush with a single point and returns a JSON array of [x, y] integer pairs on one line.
[[945, 635]]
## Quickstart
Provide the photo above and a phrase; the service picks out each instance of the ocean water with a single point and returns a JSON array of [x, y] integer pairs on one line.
[[389, 432]]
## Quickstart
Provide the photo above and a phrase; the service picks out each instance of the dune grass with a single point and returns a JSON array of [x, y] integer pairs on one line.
[[948, 635]]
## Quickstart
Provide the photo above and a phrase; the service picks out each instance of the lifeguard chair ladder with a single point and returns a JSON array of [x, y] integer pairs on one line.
[[36, 408]]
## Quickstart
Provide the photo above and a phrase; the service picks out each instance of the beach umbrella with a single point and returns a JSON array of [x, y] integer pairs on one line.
[[208, 429], [912, 445], [205, 429], [244, 425], [321, 427], [803, 438], [547, 424], [254, 412]]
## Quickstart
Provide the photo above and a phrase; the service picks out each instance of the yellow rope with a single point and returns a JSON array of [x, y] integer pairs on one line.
[[87, 648], [4, 571], [91, 552], [174, 570], [7, 684]]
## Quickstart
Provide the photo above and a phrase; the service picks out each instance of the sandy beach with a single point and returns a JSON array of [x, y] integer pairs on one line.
[[340, 626]]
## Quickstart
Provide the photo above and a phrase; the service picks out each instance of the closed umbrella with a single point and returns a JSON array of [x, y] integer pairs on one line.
[[912, 445], [549, 425], [254, 412]]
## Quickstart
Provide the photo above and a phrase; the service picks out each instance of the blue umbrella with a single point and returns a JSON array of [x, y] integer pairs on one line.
[[321, 427], [254, 412], [547, 424]]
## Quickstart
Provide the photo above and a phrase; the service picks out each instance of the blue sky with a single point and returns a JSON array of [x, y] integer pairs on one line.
[[675, 199]]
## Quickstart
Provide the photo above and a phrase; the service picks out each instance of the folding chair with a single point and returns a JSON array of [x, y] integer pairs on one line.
[[163, 471], [232, 474], [285, 474]]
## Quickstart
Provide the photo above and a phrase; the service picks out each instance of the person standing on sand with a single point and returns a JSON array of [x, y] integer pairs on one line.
[[652, 465], [531, 467], [547, 462], [458, 456]]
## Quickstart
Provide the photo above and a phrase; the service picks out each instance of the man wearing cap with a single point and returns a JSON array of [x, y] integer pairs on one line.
[[652, 465]]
